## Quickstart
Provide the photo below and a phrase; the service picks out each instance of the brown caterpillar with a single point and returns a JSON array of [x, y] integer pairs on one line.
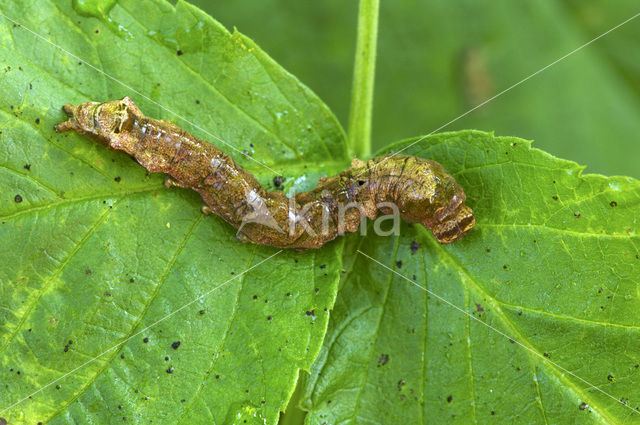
[[421, 189]]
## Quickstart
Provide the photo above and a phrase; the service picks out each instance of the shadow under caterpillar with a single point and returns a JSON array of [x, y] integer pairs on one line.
[[421, 189]]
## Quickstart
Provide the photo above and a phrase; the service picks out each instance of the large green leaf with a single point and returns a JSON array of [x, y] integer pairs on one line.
[[94, 249], [553, 263]]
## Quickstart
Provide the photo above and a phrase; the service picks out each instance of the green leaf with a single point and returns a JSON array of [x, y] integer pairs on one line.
[[98, 250], [553, 263]]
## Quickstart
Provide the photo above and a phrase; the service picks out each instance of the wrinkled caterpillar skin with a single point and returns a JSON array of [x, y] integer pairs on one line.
[[422, 190]]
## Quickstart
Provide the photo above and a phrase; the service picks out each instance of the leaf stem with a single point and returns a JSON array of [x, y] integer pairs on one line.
[[363, 79]]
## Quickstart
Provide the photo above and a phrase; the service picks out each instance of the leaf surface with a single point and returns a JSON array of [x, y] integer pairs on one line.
[[95, 250], [553, 263]]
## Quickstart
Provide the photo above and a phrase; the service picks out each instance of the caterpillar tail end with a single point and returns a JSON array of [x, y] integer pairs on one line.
[[70, 124]]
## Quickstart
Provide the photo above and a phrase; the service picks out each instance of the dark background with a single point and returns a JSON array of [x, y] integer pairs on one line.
[[439, 58]]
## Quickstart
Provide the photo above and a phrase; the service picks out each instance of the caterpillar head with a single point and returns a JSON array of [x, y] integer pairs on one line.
[[428, 194], [452, 219], [102, 122]]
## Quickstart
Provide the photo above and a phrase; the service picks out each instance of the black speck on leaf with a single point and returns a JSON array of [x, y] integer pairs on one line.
[[278, 180], [117, 179], [383, 359], [309, 313], [613, 204], [87, 272], [269, 317], [27, 167], [479, 308], [201, 312], [449, 399], [414, 247], [610, 378], [175, 345], [17, 198], [583, 406], [323, 266], [546, 355], [555, 198], [170, 370], [179, 52], [399, 264], [145, 340], [37, 120]]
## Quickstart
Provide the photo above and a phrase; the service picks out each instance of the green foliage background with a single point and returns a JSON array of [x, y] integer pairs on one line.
[[585, 108]]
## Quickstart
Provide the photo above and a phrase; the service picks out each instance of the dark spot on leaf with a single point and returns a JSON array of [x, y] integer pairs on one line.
[[122, 356], [37, 120], [323, 266], [17, 198], [613, 204], [131, 280], [576, 214], [317, 290], [479, 308], [399, 264], [170, 370], [555, 198], [488, 249], [610, 378], [97, 31], [600, 291], [255, 297], [493, 413], [175, 345], [400, 385], [506, 267], [57, 387], [310, 312], [449, 399], [179, 52], [414, 247], [166, 358], [107, 294], [117, 179], [383, 360], [288, 294], [269, 317], [87, 272], [546, 355], [27, 167], [583, 406], [217, 376], [278, 180], [201, 312], [197, 102], [145, 340], [66, 348], [511, 341]]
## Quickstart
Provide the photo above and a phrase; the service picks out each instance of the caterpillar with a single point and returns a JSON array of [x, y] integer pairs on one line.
[[421, 190]]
